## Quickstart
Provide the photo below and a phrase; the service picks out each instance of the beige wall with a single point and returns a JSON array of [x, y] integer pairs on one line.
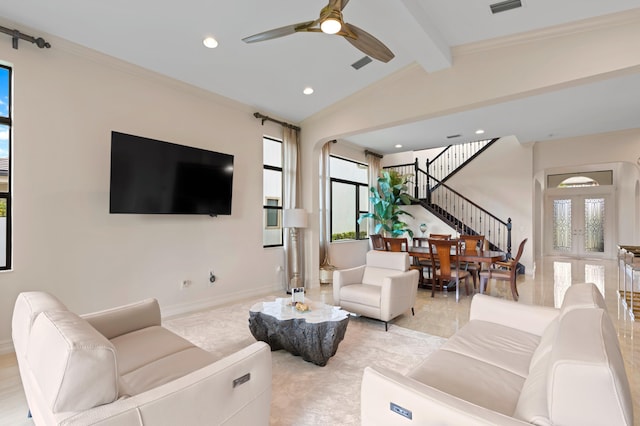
[[66, 102]]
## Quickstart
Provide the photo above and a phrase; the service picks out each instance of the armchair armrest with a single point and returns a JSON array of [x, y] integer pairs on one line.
[[528, 318], [125, 319], [344, 277], [398, 293], [385, 394]]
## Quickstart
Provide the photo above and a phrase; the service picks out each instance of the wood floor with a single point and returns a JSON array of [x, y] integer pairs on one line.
[[442, 316]]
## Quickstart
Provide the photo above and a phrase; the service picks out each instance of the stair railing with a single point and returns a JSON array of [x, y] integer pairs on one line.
[[455, 209], [448, 162]]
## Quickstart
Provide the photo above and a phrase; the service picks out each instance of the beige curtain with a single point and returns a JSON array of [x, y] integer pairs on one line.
[[325, 203], [292, 182], [373, 161]]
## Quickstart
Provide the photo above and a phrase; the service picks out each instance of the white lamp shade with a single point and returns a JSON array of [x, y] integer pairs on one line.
[[294, 218]]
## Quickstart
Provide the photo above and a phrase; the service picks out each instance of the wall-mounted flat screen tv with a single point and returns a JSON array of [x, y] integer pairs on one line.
[[155, 177]]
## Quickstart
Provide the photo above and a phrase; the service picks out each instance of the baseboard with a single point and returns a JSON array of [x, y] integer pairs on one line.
[[6, 347], [198, 305]]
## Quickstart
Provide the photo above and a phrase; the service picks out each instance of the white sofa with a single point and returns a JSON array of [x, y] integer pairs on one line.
[[121, 367], [382, 289], [513, 364]]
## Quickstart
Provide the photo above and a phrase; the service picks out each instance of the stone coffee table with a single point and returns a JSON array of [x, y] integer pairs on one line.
[[313, 335]]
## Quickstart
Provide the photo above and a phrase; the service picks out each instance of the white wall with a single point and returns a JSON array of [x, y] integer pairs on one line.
[[66, 102]]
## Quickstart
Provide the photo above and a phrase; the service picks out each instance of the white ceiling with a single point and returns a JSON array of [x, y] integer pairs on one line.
[[166, 36]]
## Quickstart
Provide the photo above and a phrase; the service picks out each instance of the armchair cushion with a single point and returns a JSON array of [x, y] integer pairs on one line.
[[365, 294]]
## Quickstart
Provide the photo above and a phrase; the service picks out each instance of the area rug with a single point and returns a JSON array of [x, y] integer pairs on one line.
[[304, 394]]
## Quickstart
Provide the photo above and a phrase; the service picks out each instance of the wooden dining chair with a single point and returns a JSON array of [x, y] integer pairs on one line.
[[505, 271], [440, 236], [447, 254], [396, 244], [473, 243], [377, 242], [421, 264]]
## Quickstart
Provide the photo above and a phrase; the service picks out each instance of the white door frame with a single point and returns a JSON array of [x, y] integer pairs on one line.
[[608, 193]]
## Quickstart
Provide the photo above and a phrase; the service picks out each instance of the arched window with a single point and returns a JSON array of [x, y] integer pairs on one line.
[[577, 181]]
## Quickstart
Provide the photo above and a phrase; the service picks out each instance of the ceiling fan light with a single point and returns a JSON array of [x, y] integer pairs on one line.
[[331, 26], [210, 42]]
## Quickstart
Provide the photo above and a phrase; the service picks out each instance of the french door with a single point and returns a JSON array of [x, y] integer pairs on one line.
[[579, 225]]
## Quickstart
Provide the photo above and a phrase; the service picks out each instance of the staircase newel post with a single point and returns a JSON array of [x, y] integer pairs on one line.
[[417, 177], [509, 225], [428, 184]]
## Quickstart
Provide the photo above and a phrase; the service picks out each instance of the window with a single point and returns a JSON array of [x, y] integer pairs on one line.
[[5, 167], [349, 199], [272, 192]]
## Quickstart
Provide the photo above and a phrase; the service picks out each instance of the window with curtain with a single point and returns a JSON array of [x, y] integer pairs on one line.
[[5, 167], [349, 199], [272, 192]]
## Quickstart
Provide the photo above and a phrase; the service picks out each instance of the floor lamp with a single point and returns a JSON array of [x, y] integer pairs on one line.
[[294, 219]]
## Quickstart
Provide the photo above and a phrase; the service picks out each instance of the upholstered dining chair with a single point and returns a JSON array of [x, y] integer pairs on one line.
[[505, 271], [377, 242], [447, 254], [472, 243]]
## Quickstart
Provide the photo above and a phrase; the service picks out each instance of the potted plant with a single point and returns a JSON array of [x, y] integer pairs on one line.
[[387, 200]]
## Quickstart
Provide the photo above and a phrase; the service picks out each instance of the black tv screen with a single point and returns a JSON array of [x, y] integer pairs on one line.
[[155, 177]]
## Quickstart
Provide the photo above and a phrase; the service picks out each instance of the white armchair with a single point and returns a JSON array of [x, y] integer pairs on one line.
[[382, 289]]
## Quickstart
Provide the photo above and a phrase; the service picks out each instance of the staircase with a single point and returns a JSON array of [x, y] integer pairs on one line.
[[450, 206]]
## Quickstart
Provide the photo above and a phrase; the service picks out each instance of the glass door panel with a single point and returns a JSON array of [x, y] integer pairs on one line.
[[578, 226], [562, 241], [594, 225]]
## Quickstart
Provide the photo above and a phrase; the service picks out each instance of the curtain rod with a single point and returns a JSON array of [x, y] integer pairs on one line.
[[375, 154], [282, 123], [16, 35]]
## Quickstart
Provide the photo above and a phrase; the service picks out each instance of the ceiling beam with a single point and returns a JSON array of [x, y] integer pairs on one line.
[[430, 50]]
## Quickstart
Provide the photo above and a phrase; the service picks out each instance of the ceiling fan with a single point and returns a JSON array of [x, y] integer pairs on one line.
[[330, 22]]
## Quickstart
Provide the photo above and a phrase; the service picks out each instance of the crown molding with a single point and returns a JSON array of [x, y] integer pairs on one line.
[[585, 25]]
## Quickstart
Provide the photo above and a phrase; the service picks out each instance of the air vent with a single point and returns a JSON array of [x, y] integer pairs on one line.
[[361, 62], [453, 136], [503, 6]]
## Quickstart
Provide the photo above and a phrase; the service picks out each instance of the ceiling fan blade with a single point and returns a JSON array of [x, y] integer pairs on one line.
[[337, 4], [278, 32], [368, 44]]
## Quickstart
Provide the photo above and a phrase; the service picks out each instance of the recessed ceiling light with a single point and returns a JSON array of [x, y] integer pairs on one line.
[[308, 90], [479, 132], [210, 42], [398, 146]]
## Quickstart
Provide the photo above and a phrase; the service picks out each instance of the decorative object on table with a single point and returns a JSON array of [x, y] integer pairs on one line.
[[294, 219], [423, 228], [297, 295], [387, 199]]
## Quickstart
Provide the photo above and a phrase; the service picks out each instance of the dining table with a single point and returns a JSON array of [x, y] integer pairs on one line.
[[474, 255]]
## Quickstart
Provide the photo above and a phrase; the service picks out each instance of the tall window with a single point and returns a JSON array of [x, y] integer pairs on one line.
[[5, 167], [272, 192], [349, 199]]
